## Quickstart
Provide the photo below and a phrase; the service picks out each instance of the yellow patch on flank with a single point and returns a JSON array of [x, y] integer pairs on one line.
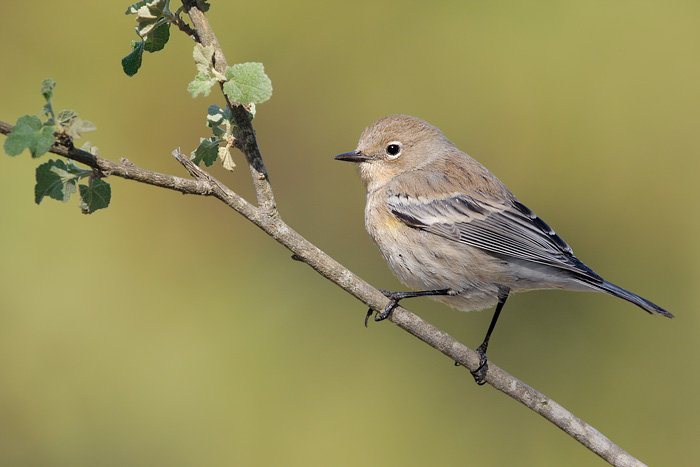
[[393, 225]]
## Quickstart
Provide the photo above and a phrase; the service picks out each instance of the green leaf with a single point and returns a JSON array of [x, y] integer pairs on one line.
[[247, 83], [157, 38], [201, 84], [30, 133], [226, 158], [95, 195], [146, 9], [148, 15], [132, 62], [89, 148], [72, 125], [47, 91], [65, 117], [72, 169], [215, 115], [56, 180], [47, 88], [206, 152], [203, 57], [78, 126], [133, 9], [153, 28]]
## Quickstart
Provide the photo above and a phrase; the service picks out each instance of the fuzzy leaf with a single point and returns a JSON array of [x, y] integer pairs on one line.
[[247, 83], [157, 38], [203, 57], [147, 15], [29, 133], [47, 91], [87, 146], [96, 195], [201, 84], [206, 152], [65, 117], [56, 180], [47, 88], [216, 115], [226, 158], [133, 9], [132, 62]]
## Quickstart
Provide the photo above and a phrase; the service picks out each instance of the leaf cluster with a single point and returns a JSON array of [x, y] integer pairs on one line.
[[154, 18], [218, 145], [244, 84], [58, 179]]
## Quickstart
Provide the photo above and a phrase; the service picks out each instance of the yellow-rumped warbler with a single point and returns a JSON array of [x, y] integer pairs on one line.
[[450, 229]]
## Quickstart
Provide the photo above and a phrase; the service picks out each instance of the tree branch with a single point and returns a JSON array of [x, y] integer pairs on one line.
[[267, 218], [273, 225], [246, 133]]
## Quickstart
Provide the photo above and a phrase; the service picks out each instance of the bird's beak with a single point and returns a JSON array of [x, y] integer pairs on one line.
[[353, 156]]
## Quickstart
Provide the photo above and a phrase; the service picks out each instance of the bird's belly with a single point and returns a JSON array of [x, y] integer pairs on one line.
[[424, 261]]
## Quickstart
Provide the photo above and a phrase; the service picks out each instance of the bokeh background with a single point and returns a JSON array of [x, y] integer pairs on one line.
[[167, 330]]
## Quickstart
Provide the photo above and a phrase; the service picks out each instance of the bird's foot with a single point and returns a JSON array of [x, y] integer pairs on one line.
[[394, 298], [480, 373]]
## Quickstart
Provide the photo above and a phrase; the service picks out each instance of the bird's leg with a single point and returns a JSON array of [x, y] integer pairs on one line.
[[480, 373], [395, 297]]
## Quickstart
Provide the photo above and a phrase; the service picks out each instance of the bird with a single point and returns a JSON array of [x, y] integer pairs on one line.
[[449, 229]]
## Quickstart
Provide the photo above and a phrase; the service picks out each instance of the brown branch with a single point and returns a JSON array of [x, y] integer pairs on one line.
[[267, 218], [207, 185], [246, 132]]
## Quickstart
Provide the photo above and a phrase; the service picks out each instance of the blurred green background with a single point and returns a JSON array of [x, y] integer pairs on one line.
[[167, 330]]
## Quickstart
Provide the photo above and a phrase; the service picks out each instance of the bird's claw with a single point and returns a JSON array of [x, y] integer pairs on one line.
[[369, 313], [480, 373], [393, 303]]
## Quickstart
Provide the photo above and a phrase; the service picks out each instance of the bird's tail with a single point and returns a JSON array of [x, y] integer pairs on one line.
[[643, 303]]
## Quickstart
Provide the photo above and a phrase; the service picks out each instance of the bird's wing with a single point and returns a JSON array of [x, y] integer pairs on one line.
[[504, 227]]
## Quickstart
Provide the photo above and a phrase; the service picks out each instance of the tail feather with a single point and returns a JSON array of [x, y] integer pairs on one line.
[[642, 303]]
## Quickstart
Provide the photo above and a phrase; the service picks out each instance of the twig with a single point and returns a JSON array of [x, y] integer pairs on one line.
[[246, 132], [207, 185]]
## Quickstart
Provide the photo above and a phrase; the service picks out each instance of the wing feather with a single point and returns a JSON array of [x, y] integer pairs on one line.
[[502, 227]]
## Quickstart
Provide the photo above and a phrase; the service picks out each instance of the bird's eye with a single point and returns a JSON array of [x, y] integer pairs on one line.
[[393, 149]]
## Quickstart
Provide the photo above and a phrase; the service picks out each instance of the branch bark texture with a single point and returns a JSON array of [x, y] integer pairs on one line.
[[267, 218]]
